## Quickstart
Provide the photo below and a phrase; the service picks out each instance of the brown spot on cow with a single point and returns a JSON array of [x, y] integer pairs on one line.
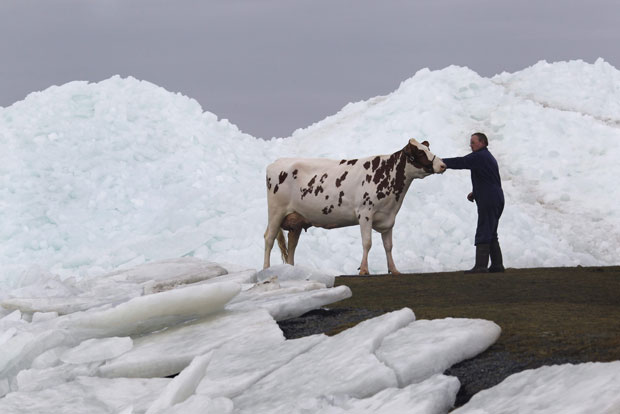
[[366, 199], [366, 218], [342, 162], [367, 165], [295, 174], [323, 177], [375, 162], [341, 179], [268, 183], [282, 176], [327, 197], [319, 189], [368, 178], [351, 162], [275, 189], [340, 198], [309, 189], [328, 210], [390, 175]]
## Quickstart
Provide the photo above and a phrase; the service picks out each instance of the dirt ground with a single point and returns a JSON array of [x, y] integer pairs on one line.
[[547, 315]]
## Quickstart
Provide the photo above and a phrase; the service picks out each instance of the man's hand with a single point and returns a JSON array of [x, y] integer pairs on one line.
[[470, 197]]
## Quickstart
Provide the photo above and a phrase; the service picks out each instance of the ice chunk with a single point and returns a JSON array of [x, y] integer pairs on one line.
[[7, 334], [169, 351], [156, 311], [43, 316], [236, 366], [72, 295], [139, 315], [242, 277], [576, 389], [435, 395], [428, 347], [12, 317], [94, 349], [172, 272], [285, 303], [29, 380], [20, 350], [344, 364], [87, 395], [287, 272], [201, 404], [60, 305], [49, 358], [182, 386], [76, 295], [10, 324], [4, 387]]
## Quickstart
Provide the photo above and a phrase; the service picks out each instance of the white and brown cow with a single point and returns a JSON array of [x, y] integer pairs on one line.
[[303, 192]]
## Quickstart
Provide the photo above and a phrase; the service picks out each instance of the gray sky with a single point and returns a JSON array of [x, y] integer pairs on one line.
[[271, 66]]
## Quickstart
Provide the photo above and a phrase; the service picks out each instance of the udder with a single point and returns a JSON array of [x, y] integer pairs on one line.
[[295, 222]]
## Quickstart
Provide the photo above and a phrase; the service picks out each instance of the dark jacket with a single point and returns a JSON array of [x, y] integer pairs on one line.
[[485, 180]]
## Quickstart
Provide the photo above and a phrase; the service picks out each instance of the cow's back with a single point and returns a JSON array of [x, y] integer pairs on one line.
[[323, 190]]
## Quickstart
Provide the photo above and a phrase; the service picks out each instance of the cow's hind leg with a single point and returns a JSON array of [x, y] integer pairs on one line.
[[270, 235], [387, 245], [293, 238], [366, 230]]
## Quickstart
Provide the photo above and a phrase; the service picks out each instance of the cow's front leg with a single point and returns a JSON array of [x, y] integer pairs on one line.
[[366, 230], [387, 245]]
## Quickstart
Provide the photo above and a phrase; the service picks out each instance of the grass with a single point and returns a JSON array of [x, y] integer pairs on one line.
[[547, 315]]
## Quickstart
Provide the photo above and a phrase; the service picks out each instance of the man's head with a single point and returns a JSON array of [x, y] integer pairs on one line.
[[478, 141]]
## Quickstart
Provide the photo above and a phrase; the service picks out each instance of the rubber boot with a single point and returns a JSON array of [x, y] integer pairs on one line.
[[497, 265], [482, 259]]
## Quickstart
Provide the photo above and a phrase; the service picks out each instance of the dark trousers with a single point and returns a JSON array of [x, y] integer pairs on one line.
[[488, 220]]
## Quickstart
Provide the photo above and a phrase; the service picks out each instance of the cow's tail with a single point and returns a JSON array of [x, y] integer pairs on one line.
[[282, 245]]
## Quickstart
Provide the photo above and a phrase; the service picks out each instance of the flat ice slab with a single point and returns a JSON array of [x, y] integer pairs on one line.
[[558, 389], [435, 395], [169, 351], [438, 345]]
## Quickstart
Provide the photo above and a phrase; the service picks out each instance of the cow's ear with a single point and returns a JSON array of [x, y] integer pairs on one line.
[[408, 149], [427, 144]]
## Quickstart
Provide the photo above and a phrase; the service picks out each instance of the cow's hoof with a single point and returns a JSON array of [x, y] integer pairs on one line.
[[394, 272], [364, 273]]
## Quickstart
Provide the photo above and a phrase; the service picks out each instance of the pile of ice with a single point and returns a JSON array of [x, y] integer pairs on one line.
[[97, 176], [109, 344]]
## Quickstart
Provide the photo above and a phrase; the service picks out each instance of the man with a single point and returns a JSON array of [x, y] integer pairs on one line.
[[489, 197]]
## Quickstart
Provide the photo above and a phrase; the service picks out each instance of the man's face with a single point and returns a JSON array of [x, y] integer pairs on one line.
[[475, 143]]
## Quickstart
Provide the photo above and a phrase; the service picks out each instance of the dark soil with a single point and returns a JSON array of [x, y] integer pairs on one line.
[[547, 315]]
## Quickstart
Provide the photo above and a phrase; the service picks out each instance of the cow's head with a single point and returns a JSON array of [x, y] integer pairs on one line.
[[420, 156]]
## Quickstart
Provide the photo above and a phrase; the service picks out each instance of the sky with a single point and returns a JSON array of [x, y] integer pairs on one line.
[[273, 66]]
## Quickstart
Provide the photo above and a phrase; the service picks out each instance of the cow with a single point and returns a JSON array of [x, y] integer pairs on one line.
[[327, 193]]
